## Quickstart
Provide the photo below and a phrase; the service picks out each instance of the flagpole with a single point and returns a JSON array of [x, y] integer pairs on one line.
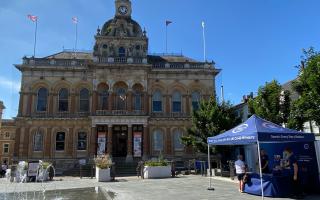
[[204, 43], [76, 39], [35, 39], [166, 38]]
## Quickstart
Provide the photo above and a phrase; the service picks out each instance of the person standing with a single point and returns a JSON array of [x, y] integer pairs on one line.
[[292, 165], [240, 171], [264, 162], [4, 168]]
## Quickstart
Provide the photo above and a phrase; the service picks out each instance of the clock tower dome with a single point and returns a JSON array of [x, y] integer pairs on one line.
[[121, 37]]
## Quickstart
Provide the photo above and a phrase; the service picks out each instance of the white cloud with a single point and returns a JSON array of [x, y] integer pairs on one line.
[[10, 84]]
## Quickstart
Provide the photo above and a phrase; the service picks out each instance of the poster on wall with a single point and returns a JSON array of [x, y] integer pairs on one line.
[[102, 141], [33, 168], [137, 140]]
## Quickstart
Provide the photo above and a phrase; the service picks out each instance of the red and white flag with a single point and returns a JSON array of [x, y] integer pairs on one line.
[[75, 20], [33, 18]]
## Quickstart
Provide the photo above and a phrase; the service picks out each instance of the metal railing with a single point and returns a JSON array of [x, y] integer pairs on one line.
[[54, 62]]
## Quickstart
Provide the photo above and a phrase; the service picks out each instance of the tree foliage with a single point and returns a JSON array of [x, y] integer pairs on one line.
[[211, 119], [272, 103], [307, 85]]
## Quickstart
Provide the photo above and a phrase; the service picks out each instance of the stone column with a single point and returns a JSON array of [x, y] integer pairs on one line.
[[129, 101], [69, 141], [17, 143], [110, 101], [47, 144], [29, 104], [93, 142], [20, 112], [145, 103], [26, 143], [21, 144], [188, 107], [109, 140], [73, 104], [50, 104], [168, 142], [146, 143], [167, 103], [129, 157], [94, 102]]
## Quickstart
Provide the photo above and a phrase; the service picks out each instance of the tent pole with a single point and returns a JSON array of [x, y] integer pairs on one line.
[[260, 169], [209, 166]]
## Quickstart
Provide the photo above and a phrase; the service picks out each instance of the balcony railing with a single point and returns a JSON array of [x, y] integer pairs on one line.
[[54, 62], [127, 60], [119, 113], [60, 115], [165, 66], [170, 115]]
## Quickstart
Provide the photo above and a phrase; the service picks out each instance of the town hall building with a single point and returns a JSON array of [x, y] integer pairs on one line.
[[116, 100]]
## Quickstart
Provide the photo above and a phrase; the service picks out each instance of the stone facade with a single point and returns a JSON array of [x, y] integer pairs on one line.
[[7, 140], [117, 99]]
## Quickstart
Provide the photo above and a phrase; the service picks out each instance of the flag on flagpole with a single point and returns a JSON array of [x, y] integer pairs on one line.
[[33, 18], [75, 20], [168, 22]]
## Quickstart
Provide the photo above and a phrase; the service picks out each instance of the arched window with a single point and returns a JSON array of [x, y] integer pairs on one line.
[[103, 97], [178, 146], [137, 100], [122, 52], [84, 100], [42, 97], [176, 102], [63, 100], [121, 99], [38, 141], [60, 140], [195, 96], [157, 101], [158, 140], [82, 141]]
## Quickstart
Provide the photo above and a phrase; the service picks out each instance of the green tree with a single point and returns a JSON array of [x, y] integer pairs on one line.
[[211, 119], [307, 85], [272, 103]]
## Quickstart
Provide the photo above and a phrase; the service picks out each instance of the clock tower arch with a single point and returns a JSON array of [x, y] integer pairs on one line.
[[123, 8]]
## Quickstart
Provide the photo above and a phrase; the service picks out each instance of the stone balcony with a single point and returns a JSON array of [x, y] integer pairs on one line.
[[120, 60], [120, 113], [54, 62], [170, 115]]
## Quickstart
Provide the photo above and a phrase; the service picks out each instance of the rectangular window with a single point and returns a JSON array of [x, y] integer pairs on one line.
[[38, 142], [178, 146], [82, 141], [60, 140], [158, 141], [195, 105], [5, 149], [176, 106], [157, 106]]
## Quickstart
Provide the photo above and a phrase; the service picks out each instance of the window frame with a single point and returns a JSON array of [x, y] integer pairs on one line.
[[84, 100], [174, 102], [198, 101], [155, 141], [64, 141], [43, 99], [175, 133], [3, 148], [33, 142], [60, 100], [82, 140], [157, 97]]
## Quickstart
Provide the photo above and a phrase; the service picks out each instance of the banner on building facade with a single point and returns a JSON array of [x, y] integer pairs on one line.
[[137, 140], [102, 141]]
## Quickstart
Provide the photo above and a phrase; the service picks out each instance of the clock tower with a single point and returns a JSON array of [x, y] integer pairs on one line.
[[123, 8]]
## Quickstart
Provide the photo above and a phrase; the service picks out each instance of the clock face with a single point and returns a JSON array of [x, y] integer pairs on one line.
[[123, 10]]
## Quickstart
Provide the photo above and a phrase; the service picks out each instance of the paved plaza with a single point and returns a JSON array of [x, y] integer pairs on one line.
[[184, 187]]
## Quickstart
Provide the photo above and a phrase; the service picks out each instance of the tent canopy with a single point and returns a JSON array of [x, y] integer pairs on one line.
[[257, 129]]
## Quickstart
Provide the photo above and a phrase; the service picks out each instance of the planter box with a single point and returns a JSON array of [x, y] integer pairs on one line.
[[103, 175], [157, 172]]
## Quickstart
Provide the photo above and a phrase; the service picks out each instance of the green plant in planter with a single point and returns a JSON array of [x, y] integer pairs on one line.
[[44, 165], [103, 161], [160, 162]]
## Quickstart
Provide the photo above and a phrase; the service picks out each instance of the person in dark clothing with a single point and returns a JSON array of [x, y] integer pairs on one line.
[[264, 161], [292, 164]]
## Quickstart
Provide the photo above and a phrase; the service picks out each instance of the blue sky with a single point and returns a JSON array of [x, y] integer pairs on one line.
[[252, 41]]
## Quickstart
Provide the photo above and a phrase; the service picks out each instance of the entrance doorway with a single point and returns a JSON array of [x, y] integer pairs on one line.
[[119, 141]]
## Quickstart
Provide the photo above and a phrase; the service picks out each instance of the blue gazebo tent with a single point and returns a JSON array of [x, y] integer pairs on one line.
[[255, 131]]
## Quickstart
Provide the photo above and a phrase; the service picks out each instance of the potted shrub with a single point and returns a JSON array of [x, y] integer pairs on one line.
[[43, 171], [103, 164], [157, 169]]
